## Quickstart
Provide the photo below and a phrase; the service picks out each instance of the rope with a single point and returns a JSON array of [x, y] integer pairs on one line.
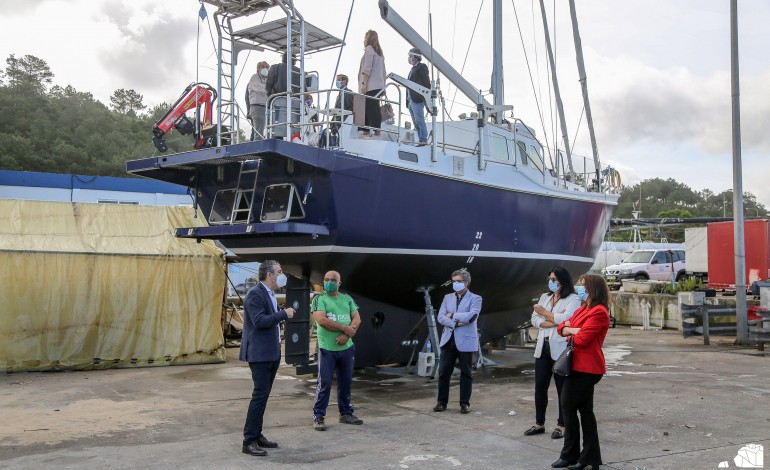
[[531, 81], [468, 51]]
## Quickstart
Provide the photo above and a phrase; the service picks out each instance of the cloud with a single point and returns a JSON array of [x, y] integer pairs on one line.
[[150, 51], [638, 103], [21, 8]]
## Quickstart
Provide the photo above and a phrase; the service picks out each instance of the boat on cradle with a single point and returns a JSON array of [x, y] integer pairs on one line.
[[391, 216]]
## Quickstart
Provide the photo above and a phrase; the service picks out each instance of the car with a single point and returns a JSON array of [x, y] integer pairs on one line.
[[644, 265]]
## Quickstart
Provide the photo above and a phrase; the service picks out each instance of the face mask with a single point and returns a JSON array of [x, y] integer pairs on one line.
[[263, 72], [330, 287], [338, 83], [458, 285], [281, 280], [581, 292], [553, 286], [308, 102]]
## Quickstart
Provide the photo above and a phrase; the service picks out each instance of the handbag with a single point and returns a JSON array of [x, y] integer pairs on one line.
[[563, 365], [386, 112]]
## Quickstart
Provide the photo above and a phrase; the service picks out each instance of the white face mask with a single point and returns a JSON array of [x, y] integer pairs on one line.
[[280, 280], [263, 72], [458, 286]]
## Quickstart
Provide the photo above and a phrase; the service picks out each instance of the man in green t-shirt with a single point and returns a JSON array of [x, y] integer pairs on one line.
[[338, 320]]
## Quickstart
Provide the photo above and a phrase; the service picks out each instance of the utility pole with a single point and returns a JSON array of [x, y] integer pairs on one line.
[[741, 313]]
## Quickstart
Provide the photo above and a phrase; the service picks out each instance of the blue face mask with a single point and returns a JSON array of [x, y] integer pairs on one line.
[[308, 102], [581, 292], [458, 286], [338, 83], [553, 286]]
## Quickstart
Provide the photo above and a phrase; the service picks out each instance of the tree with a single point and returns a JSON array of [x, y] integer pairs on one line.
[[127, 102], [29, 74]]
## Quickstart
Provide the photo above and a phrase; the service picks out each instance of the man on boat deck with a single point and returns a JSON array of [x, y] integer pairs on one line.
[[458, 314], [415, 102], [338, 320]]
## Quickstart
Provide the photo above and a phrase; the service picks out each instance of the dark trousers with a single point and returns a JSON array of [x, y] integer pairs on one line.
[[329, 362], [450, 355], [543, 373], [578, 395], [262, 374], [372, 116]]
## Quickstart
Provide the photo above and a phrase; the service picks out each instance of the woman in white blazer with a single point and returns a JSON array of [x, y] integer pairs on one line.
[[555, 306]]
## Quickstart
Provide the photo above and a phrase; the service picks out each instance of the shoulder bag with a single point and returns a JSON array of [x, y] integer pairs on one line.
[[563, 365]]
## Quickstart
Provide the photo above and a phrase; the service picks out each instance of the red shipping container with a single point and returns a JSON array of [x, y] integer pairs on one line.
[[721, 253]]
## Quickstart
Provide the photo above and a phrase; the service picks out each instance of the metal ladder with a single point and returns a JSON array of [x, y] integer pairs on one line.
[[225, 84], [246, 188]]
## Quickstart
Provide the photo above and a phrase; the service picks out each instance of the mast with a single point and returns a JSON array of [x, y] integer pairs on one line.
[[741, 314], [584, 89], [497, 59], [559, 104]]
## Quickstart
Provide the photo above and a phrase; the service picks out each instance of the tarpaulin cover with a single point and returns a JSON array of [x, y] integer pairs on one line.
[[88, 286]]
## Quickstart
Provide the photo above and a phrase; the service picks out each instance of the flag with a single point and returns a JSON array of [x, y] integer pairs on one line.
[[202, 12]]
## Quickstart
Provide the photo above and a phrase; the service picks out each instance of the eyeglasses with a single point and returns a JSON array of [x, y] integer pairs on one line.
[[332, 280]]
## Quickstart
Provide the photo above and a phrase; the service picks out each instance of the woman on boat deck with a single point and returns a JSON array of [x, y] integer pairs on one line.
[[555, 306], [587, 328], [371, 80]]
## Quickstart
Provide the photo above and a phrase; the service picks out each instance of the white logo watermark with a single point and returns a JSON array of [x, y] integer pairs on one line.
[[749, 456]]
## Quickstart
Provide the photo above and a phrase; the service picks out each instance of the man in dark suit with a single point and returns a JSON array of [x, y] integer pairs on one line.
[[278, 82], [261, 348]]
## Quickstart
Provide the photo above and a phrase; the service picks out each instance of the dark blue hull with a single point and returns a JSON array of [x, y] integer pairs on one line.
[[389, 230]]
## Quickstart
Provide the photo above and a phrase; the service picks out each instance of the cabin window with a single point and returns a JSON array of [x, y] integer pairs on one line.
[[408, 156], [521, 151], [499, 145], [536, 159], [281, 203]]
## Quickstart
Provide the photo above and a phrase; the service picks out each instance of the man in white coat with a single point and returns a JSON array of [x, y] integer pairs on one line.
[[460, 339]]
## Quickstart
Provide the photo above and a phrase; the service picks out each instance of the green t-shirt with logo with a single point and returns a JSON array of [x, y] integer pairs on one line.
[[338, 309]]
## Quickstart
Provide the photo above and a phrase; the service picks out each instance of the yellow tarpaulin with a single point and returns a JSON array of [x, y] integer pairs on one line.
[[86, 286]]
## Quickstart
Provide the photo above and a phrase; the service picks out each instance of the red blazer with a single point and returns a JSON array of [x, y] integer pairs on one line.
[[593, 323]]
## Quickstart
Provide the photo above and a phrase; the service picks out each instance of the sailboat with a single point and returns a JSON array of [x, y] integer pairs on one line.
[[391, 216]]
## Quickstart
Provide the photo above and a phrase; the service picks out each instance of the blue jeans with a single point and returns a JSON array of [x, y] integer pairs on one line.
[[417, 110], [263, 375], [328, 362]]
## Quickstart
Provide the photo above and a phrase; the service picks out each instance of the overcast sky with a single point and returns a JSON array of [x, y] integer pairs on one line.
[[658, 70]]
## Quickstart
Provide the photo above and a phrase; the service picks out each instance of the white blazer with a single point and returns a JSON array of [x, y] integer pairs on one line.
[[562, 311]]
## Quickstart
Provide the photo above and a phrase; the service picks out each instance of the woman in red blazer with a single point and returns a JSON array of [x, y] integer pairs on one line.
[[587, 328]]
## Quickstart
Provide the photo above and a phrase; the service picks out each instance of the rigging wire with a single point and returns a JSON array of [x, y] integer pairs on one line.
[[339, 56], [531, 81], [452, 56], [469, 49]]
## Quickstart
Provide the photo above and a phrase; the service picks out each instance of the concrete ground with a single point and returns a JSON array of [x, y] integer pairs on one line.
[[666, 403]]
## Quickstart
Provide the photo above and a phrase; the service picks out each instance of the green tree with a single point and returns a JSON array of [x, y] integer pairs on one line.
[[29, 74], [127, 101]]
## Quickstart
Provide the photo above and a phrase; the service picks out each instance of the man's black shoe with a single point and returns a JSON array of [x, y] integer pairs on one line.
[[465, 409], [440, 407], [561, 463], [263, 442], [253, 449]]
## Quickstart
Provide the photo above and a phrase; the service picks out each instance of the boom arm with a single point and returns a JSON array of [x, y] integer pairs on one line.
[[196, 95], [412, 37]]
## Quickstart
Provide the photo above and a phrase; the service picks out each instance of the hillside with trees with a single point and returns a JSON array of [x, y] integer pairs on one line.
[[50, 128]]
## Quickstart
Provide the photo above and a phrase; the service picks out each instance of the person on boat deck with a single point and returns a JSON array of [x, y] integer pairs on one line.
[[347, 104], [256, 96], [415, 101], [338, 321], [588, 327], [277, 82], [555, 306], [261, 348], [458, 314], [371, 80]]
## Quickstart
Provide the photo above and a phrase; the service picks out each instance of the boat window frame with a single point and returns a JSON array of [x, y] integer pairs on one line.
[[293, 197]]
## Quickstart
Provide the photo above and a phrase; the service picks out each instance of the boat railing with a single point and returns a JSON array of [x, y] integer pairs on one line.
[[319, 125]]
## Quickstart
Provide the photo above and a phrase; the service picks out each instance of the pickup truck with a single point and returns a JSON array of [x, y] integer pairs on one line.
[[643, 265]]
